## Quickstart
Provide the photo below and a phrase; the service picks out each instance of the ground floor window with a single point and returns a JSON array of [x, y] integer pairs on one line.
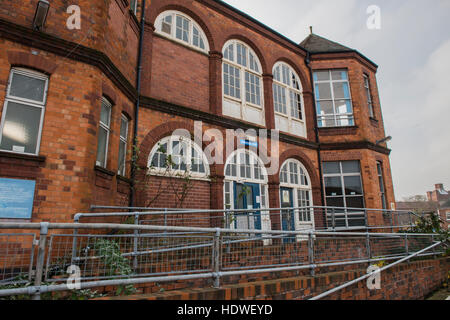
[[344, 189]]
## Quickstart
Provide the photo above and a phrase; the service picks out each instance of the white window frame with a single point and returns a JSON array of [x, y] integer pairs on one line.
[[242, 71], [337, 116], [27, 102], [124, 140], [108, 132], [296, 187], [172, 36], [380, 174], [346, 212], [368, 95], [157, 171], [288, 89]]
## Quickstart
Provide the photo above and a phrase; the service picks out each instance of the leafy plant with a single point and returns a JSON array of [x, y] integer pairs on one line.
[[115, 263]]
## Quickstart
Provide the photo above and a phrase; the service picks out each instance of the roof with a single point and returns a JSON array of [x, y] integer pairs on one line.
[[312, 44], [417, 205], [446, 204], [317, 44]]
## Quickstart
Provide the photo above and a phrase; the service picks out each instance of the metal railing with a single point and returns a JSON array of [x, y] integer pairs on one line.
[[289, 219], [138, 254]]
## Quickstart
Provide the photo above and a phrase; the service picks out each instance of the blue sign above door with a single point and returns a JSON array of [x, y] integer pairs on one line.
[[16, 198]]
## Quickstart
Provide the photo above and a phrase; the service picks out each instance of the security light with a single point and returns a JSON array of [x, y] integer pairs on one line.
[[387, 139], [40, 15]]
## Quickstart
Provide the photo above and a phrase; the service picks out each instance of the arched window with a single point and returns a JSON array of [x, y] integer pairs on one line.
[[246, 188], [180, 156], [288, 100], [242, 83], [181, 28], [295, 181]]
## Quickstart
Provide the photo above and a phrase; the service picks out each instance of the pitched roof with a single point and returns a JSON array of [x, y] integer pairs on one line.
[[445, 204], [315, 44], [417, 205]]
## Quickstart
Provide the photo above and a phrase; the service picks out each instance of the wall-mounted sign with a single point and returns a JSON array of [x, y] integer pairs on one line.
[[16, 198], [249, 143]]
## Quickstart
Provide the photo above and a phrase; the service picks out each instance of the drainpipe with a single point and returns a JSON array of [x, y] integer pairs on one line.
[[316, 128], [138, 101]]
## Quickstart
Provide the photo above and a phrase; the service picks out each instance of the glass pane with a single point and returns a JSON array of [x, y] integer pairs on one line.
[[325, 107], [333, 186], [343, 106], [335, 202], [339, 75], [355, 202], [351, 167], [353, 185], [101, 149], [27, 87], [322, 75], [323, 91], [21, 128], [341, 90], [331, 167], [105, 115], [122, 151], [124, 128]]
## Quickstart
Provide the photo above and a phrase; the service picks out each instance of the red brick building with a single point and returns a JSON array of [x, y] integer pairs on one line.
[[68, 106]]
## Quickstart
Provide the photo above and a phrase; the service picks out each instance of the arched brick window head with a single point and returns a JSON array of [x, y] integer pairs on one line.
[[181, 28]]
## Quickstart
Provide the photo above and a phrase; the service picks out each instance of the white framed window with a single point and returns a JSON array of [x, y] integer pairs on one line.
[[181, 28], [333, 98], [180, 156], [293, 175], [288, 100], [103, 133], [242, 83], [368, 95], [123, 145], [344, 189], [381, 184], [23, 112]]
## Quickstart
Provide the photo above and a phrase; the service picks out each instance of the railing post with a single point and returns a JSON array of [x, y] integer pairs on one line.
[[311, 252], [406, 245], [333, 218], [392, 221], [369, 249], [216, 259], [135, 244], [40, 258]]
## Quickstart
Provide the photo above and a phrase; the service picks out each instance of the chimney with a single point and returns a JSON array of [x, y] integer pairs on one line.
[[439, 186]]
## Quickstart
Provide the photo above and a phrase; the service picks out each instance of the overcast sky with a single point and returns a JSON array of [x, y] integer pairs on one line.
[[412, 49]]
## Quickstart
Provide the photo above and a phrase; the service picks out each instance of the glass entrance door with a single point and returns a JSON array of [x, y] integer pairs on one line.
[[287, 216], [247, 196]]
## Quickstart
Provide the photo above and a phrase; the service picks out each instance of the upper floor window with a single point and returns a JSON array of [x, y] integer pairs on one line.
[[288, 100], [368, 95], [181, 28], [123, 143], [179, 156], [381, 184], [242, 82], [103, 133], [333, 99], [23, 112]]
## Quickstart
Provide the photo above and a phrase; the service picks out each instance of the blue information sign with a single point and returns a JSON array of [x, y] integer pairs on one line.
[[16, 198]]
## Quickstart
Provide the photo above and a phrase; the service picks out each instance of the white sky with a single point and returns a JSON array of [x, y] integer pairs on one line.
[[412, 50]]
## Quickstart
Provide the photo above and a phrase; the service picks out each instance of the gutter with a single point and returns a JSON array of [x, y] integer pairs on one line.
[[316, 128], [138, 102]]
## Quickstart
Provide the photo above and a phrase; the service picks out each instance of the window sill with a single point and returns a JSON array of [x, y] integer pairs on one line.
[[22, 156], [105, 171], [374, 122], [124, 179], [330, 131]]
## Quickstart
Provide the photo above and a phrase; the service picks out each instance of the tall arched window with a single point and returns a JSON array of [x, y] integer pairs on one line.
[[288, 100], [179, 156], [242, 83], [246, 188], [295, 188], [181, 28]]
